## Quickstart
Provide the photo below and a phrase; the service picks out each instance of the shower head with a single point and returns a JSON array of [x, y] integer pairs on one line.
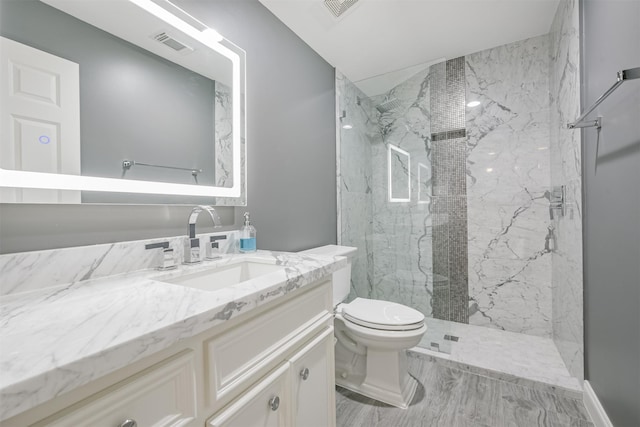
[[388, 105]]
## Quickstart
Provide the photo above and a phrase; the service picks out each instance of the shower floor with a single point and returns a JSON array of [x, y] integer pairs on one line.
[[509, 356]]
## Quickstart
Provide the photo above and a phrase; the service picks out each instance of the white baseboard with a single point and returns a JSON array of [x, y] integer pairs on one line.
[[594, 408]]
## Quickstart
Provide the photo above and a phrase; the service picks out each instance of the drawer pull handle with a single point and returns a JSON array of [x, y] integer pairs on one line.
[[274, 403], [304, 374], [128, 423]]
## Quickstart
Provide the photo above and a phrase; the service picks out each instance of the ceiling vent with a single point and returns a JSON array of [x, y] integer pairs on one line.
[[338, 7], [174, 44]]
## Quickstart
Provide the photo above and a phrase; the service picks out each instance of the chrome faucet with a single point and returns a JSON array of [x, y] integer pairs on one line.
[[192, 244]]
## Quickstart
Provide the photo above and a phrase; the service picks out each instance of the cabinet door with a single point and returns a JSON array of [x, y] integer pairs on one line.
[[265, 405], [313, 383]]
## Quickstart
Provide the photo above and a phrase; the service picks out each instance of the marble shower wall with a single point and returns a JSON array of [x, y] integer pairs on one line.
[[354, 180], [508, 177], [566, 170]]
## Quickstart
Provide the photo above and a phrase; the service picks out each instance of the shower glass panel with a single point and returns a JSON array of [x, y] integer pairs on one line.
[[387, 205]]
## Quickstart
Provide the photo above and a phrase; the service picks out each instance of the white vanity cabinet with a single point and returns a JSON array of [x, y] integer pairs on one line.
[[272, 366], [298, 393]]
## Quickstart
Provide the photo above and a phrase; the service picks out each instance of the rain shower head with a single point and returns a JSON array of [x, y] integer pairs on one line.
[[338, 7], [388, 105]]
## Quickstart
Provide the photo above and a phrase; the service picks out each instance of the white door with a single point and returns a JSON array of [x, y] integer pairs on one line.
[[40, 119], [313, 383]]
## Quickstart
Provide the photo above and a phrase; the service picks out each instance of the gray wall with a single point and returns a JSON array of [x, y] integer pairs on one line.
[[611, 173], [291, 152], [291, 126]]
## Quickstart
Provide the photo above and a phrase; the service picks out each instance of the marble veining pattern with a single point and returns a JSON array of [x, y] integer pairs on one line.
[[223, 145], [566, 170], [507, 182], [91, 329], [223, 127], [29, 271]]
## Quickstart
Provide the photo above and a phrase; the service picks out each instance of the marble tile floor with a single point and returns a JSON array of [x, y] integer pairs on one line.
[[524, 359], [450, 397]]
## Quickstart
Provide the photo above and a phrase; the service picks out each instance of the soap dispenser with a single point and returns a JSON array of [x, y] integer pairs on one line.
[[247, 235]]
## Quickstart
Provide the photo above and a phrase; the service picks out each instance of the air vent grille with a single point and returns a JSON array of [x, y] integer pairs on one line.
[[174, 44], [338, 7]]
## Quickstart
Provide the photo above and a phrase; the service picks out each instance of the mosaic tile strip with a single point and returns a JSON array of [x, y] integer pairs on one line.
[[449, 238]]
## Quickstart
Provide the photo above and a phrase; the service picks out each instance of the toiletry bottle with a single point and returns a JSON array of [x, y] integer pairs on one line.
[[247, 235]]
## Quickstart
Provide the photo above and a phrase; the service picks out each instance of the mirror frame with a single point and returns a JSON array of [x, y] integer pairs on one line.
[[208, 37]]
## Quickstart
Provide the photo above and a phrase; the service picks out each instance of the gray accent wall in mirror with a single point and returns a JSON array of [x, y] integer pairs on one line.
[[119, 101]]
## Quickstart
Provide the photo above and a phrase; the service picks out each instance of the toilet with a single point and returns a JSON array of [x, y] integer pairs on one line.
[[372, 337]]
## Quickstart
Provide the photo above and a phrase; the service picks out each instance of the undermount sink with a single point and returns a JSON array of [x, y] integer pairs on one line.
[[225, 276]]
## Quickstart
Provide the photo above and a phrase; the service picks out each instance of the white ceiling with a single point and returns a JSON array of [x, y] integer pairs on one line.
[[375, 37]]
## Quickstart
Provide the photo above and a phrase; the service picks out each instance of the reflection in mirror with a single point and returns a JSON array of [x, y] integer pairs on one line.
[[152, 105], [399, 173]]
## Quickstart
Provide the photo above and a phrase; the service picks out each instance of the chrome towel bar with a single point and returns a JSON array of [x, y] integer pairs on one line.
[[127, 164]]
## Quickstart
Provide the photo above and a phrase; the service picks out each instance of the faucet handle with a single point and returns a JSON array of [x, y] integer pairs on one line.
[[212, 251], [192, 251], [168, 262]]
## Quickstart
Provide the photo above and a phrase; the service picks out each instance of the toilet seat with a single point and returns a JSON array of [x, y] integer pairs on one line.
[[382, 315]]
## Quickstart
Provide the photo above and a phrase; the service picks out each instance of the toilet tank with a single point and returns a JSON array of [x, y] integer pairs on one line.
[[342, 277]]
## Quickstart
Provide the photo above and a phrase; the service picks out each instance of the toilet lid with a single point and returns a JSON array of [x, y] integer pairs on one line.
[[384, 315]]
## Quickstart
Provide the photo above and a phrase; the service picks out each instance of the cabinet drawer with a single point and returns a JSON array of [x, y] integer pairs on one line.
[[265, 405], [236, 357], [160, 396]]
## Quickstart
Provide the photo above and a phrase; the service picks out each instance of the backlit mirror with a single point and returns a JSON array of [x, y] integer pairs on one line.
[[119, 101]]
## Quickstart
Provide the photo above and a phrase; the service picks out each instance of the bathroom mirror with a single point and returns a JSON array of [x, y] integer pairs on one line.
[[119, 101]]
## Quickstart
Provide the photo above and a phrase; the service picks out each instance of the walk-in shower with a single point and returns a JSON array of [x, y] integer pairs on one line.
[[444, 185]]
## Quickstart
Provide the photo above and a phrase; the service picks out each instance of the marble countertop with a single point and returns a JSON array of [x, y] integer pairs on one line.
[[57, 339]]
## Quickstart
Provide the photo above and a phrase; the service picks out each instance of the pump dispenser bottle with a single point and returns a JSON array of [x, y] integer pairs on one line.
[[247, 235]]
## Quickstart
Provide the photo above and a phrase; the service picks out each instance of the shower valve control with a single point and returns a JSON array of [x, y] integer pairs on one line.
[[557, 201]]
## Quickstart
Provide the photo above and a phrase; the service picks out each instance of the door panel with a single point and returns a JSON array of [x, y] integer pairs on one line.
[[313, 384], [40, 119]]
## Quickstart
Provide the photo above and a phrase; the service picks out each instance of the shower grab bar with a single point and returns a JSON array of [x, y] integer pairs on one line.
[[127, 164], [622, 76]]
